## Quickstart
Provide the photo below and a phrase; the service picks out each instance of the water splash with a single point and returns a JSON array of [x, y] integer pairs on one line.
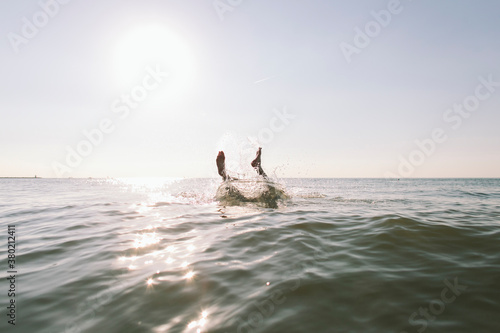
[[262, 192]]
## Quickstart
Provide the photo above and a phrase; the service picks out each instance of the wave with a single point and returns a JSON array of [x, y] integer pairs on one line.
[[310, 195], [477, 194]]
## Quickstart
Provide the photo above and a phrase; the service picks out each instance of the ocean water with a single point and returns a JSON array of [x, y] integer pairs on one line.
[[338, 255]]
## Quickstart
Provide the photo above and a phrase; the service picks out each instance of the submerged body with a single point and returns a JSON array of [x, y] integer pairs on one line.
[[260, 191], [234, 191]]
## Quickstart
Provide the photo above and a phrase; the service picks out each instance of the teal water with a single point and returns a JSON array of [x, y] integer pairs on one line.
[[340, 255]]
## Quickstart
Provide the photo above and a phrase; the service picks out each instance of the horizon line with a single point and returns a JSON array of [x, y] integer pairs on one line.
[[178, 177]]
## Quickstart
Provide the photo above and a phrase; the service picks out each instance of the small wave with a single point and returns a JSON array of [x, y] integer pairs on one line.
[[353, 200], [33, 211], [311, 195], [160, 204], [475, 194]]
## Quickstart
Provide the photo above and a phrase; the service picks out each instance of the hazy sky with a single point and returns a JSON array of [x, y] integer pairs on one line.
[[328, 88]]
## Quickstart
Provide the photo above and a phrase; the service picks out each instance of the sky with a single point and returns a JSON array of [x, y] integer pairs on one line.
[[155, 88]]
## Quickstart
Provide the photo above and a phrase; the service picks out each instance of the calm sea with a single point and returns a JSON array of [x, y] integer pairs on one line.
[[340, 255]]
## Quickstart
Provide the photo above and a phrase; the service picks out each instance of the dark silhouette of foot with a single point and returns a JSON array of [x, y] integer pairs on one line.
[[256, 164], [221, 165]]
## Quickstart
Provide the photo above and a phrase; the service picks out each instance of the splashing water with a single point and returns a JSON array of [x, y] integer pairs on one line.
[[263, 192]]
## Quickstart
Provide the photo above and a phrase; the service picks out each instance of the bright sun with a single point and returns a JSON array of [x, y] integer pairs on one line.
[[153, 46]]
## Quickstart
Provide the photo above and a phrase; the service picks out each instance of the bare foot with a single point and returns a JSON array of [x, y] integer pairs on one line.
[[256, 162], [221, 165]]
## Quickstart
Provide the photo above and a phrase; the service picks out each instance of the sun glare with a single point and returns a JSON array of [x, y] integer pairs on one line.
[[153, 46]]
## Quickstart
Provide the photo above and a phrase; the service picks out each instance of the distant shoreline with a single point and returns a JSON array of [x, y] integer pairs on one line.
[[360, 178], [20, 177]]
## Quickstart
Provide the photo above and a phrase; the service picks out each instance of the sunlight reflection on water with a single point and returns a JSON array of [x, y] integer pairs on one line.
[[156, 266]]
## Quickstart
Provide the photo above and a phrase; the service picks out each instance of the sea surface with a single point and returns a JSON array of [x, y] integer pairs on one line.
[[338, 255]]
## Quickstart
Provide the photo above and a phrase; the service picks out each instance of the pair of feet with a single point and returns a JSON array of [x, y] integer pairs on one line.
[[221, 165]]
